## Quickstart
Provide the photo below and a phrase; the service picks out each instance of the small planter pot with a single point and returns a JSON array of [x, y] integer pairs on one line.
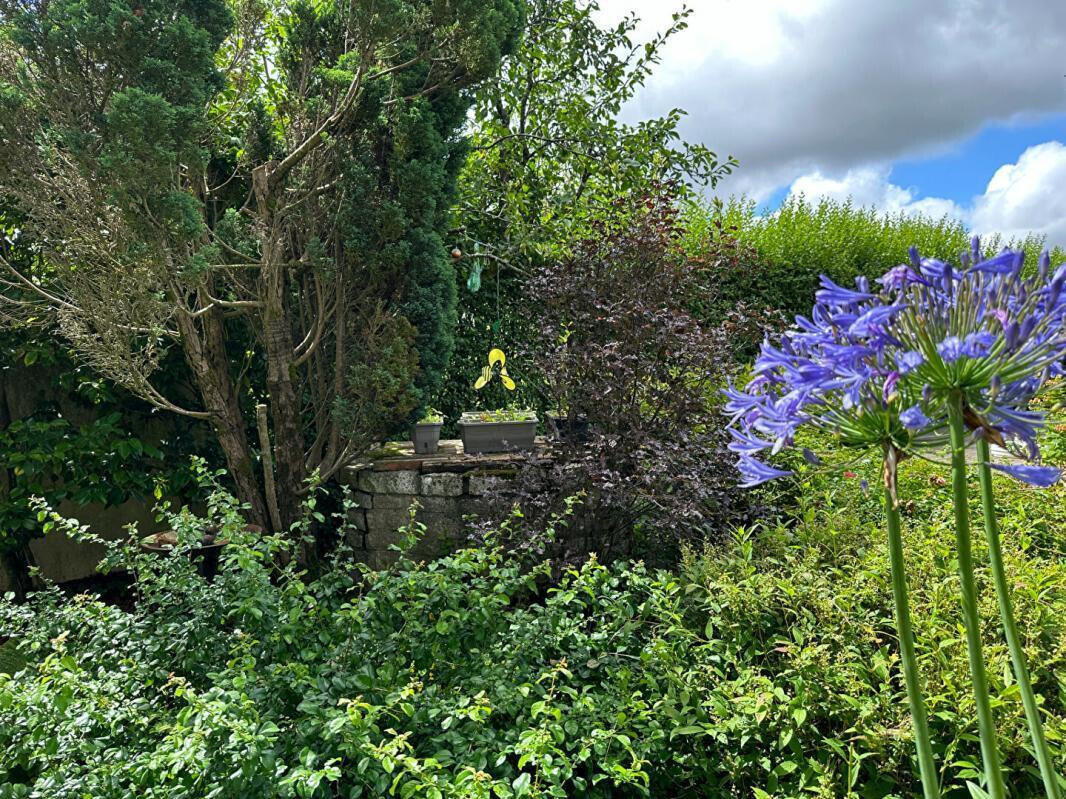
[[481, 437], [204, 556], [425, 436]]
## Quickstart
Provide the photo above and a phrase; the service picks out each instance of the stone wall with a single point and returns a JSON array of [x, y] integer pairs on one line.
[[447, 486]]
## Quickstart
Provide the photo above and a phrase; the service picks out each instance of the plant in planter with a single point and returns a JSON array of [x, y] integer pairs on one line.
[[425, 433], [503, 430]]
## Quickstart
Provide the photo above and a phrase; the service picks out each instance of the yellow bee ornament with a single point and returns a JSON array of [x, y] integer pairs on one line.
[[496, 356]]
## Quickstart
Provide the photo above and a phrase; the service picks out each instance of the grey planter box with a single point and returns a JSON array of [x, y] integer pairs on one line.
[[481, 437], [425, 436]]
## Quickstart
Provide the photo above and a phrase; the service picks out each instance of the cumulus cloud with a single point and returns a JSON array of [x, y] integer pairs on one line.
[[870, 187], [1029, 195], [1023, 197], [797, 87]]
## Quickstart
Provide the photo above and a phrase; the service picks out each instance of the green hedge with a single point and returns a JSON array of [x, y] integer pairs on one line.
[[791, 247]]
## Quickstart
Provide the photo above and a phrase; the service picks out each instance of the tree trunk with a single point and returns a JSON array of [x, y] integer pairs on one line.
[[207, 357], [16, 560], [285, 407], [284, 411]]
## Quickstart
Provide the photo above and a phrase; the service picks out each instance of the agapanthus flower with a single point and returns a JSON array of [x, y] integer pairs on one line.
[[938, 350], [913, 418], [838, 370], [989, 335], [755, 471], [875, 368], [1041, 476]]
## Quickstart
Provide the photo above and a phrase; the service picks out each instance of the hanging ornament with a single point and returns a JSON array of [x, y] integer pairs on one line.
[[473, 283], [496, 356]]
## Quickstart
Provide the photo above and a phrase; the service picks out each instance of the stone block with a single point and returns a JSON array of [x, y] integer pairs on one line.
[[442, 484], [446, 506], [484, 484], [385, 521], [397, 482], [356, 539], [357, 517], [363, 499], [474, 506], [442, 533], [395, 501]]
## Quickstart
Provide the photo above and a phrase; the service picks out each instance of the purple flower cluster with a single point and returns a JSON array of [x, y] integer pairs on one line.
[[876, 367]]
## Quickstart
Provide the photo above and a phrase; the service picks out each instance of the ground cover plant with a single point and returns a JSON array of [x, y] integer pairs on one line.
[[766, 666]]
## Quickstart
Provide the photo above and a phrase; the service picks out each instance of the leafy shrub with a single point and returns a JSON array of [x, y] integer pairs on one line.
[[766, 667], [618, 349]]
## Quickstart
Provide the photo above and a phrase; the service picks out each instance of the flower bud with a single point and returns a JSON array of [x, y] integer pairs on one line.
[[1016, 267], [1027, 328], [1012, 336]]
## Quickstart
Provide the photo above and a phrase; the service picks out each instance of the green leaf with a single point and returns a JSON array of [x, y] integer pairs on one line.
[[521, 784], [689, 730]]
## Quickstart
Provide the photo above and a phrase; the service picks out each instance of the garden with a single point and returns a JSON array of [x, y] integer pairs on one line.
[[382, 416]]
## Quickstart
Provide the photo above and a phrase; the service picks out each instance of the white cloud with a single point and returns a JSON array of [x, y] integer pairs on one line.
[[794, 87], [870, 187], [1029, 195], [1023, 197]]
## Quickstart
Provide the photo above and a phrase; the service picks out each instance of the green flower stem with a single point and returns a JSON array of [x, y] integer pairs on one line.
[[985, 723], [1010, 629], [926, 766]]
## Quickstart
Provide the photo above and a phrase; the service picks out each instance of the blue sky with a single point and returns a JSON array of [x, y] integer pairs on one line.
[[962, 173], [953, 107]]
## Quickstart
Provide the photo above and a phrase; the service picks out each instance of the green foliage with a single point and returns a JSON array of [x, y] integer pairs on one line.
[[549, 154], [822, 601], [1052, 401], [158, 73], [548, 158], [431, 416], [83, 441], [791, 247], [766, 667], [265, 186]]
